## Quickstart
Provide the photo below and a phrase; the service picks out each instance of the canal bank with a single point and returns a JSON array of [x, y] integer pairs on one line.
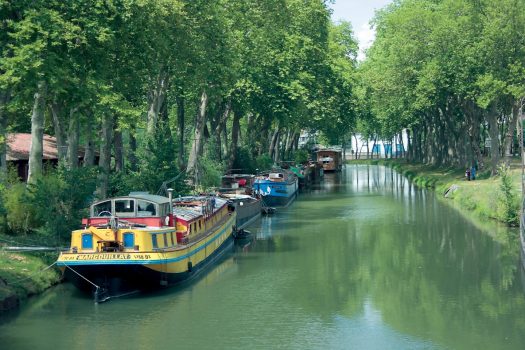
[[25, 275], [485, 198]]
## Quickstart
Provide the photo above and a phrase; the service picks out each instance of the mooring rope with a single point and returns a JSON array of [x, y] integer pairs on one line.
[[98, 287]]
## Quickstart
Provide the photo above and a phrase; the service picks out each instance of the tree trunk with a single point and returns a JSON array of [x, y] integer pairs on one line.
[[275, 138], [356, 146], [289, 144], [509, 136], [132, 154], [105, 156], [60, 133], [235, 139], [492, 118], [89, 152], [72, 139], [197, 146], [219, 126], [374, 146], [224, 138], [276, 151], [37, 134], [180, 121], [156, 100], [119, 151], [4, 100], [409, 150]]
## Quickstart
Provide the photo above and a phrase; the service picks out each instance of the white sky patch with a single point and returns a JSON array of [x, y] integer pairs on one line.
[[365, 35], [359, 13]]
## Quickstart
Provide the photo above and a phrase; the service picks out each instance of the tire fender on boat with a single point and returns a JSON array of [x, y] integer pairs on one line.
[[190, 266]]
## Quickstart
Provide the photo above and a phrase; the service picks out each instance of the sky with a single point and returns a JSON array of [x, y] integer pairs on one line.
[[359, 13]]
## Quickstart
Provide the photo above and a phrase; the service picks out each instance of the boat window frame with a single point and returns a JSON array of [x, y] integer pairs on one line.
[[111, 208], [149, 204], [125, 213]]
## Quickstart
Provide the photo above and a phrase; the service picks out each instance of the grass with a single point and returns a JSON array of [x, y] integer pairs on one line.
[[480, 197], [26, 274]]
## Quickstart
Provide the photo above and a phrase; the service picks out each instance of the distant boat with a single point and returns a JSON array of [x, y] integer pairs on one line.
[[144, 241], [330, 159], [237, 189], [278, 188]]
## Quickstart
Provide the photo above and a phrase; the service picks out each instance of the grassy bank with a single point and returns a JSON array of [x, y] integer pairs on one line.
[[484, 197], [23, 275]]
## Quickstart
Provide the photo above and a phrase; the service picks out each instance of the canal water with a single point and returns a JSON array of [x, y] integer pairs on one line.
[[364, 261]]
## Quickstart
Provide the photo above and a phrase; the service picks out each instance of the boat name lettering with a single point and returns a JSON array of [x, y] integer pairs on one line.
[[105, 256]]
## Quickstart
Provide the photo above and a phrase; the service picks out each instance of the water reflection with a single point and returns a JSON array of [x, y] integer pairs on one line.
[[365, 260]]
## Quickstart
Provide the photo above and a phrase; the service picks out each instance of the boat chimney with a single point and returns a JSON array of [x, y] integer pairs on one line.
[[170, 215], [170, 196]]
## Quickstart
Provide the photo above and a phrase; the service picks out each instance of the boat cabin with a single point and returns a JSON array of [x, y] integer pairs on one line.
[[138, 208], [238, 183], [330, 159], [197, 215]]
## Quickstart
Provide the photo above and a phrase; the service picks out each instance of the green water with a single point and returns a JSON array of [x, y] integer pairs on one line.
[[365, 261]]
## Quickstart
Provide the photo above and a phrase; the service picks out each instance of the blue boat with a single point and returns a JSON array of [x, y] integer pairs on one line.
[[277, 188]]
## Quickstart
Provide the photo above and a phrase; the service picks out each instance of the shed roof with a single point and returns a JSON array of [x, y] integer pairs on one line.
[[19, 144]]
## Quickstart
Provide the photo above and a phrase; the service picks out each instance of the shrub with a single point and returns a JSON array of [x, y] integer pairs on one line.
[[19, 216], [211, 173], [60, 200], [300, 156], [244, 161], [264, 161], [508, 204]]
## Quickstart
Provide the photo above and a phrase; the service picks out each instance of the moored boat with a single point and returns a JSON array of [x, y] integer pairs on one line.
[[144, 241], [330, 159], [237, 189], [278, 188]]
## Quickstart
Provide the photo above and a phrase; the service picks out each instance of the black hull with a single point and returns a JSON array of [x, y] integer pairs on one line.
[[117, 280], [247, 213]]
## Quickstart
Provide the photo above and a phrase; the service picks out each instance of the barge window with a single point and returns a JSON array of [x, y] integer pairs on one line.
[[154, 241], [145, 208], [165, 240], [172, 241], [124, 206], [102, 209], [87, 241], [129, 240]]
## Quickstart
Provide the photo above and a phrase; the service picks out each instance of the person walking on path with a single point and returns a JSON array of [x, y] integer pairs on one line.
[[473, 173], [467, 174]]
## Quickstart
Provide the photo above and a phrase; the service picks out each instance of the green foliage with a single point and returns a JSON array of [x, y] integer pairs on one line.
[[264, 162], [244, 161], [508, 203], [53, 206], [156, 163], [20, 218], [59, 203], [211, 173], [301, 156]]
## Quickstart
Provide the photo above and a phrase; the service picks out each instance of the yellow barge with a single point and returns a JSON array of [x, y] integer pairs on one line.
[[144, 241]]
